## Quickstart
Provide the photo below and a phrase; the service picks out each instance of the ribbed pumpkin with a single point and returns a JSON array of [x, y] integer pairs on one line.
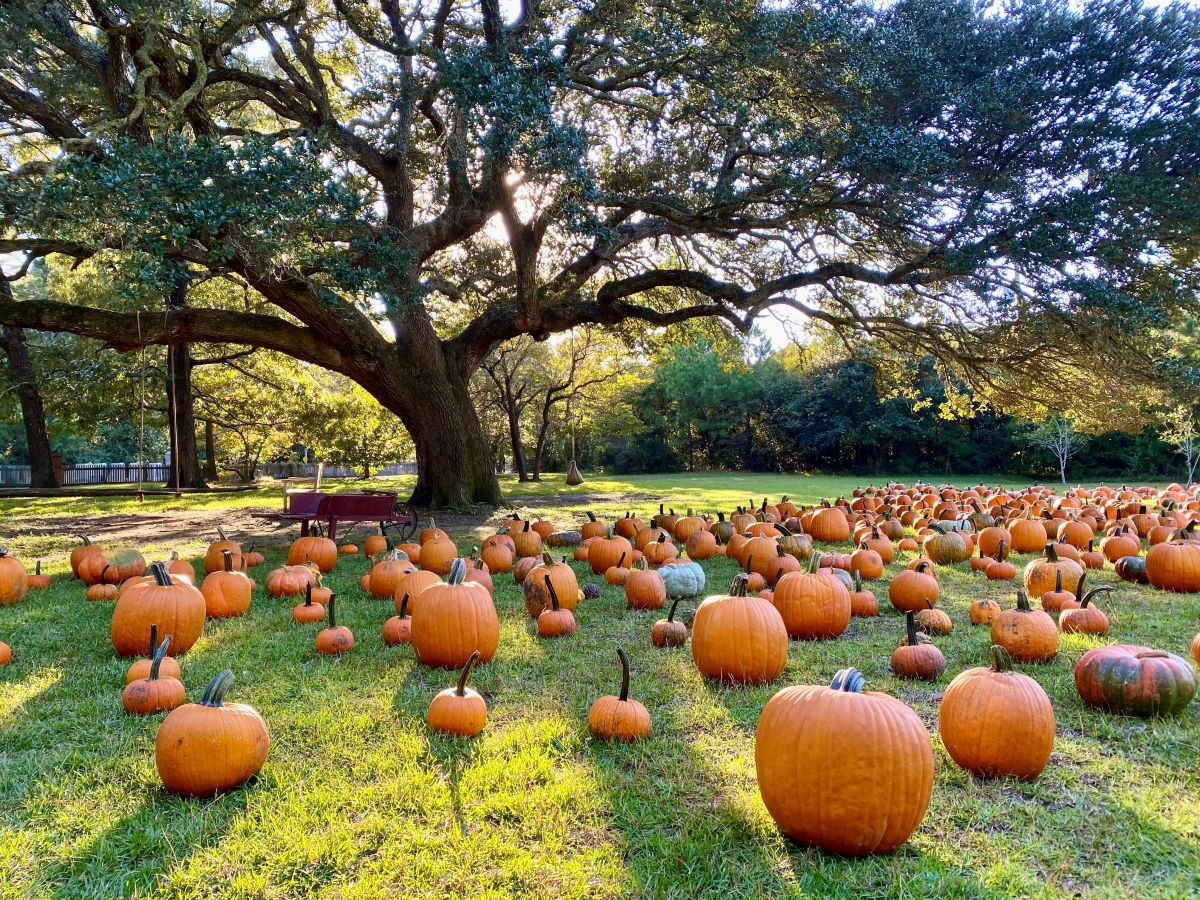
[[592, 527], [829, 525], [452, 620], [526, 542], [459, 710], [608, 551], [397, 629], [37, 581], [911, 588], [1028, 634], [701, 544], [916, 657], [214, 561], [983, 612], [866, 562], [375, 543], [411, 585], [157, 692], [989, 540], [813, 606], [617, 717], [438, 553], [1085, 618], [945, 547], [177, 608], [862, 602], [1041, 575], [289, 581], [14, 580], [309, 610], [1174, 566], [227, 593], [386, 573], [669, 632], [994, 721], [1135, 681], [320, 551], [140, 668], [336, 639], [211, 746], [554, 620], [644, 588], [659, 551], [85, 548], [1122, 542], [536, 586], [739, 638], [496, 555], [1028, 535], [809, 750]]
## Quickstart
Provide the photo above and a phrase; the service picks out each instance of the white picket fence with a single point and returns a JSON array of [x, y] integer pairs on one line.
[[158, 472]]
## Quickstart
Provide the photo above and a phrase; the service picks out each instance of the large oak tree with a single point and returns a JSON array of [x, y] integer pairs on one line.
[[401, 185]]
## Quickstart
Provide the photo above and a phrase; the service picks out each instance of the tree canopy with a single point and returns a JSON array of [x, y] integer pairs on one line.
[[399, 188]]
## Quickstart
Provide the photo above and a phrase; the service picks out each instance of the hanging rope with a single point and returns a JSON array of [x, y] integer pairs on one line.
[[142, 431]]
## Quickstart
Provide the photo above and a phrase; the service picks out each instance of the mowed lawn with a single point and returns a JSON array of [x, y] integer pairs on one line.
[[358, 799]]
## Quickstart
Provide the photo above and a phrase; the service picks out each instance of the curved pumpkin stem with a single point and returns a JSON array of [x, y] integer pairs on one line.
[[624, 695], [553, 592], [157, 657], [1088, 597], [671, 611], [84, 540], [461, 688], [214, 694], [404, 606], [849, 680], [1001, 661]]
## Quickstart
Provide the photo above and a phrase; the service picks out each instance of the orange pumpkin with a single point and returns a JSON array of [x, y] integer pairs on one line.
[[454, 619], [156, 692], [226, 593], [459, 710], [916, 657], [994, 721], [176, 607], [739, 638], [619, 718], [808, 752], [1028, 634], [85, 548], [320, 551], [336, 639], [644, 588], [438, 553], [208, 747], [812, 605], [213, 559], [911, 588]]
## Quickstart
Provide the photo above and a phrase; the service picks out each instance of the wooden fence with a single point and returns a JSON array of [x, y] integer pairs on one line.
[[158, 472]]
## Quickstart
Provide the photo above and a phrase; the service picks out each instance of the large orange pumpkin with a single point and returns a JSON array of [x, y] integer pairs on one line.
[[911, 588], [995, 721], [208, 747], [607, 551], [812, 605], [829, 525], [454, 619], [228, 592], [320, 551], [176, 607], [1028, 634], [808, 753], [739, 638], [1175, 565]]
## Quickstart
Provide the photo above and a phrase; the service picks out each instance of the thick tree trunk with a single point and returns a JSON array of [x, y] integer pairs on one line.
[[41, 463], [181, 408], [210, 451], [430, 395]]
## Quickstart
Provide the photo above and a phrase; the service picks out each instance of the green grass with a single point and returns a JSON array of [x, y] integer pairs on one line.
[[358, 799]]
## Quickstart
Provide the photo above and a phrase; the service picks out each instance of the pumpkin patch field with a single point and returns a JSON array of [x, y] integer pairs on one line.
[[687, 686]]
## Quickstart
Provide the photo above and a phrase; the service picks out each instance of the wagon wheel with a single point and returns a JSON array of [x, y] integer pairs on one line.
[[404, 531]]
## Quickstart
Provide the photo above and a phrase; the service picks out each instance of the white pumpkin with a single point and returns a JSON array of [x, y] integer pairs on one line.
[[683, 579]]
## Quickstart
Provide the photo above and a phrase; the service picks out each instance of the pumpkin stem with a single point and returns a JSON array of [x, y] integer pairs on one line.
[[161, 578], [221, 533], [738, 588], [214, 694], [461, 688], [458, 571], [1000, 550], [1001, 661], [1058, 581], [553, 593], [227, 556], [857, 580], [662, 537], [37, 568], [1022, 602], [921, 566], [849, 680], [671, 611], [157, 657], [1050, 554], [621, 559], [308, 594], [591, 516], [624, 675], [1087, 598], [910, 627], [332, 614], [404, 606], [84, 540], [103, 578]]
